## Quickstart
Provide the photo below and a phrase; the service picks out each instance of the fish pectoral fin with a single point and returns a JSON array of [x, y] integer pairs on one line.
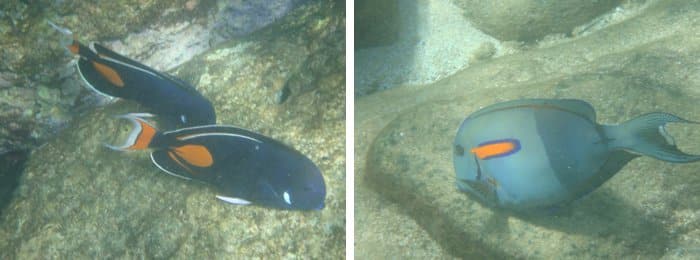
[[236, 201]]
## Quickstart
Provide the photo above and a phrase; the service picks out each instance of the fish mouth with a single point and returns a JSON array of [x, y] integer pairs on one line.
[[481, 189]]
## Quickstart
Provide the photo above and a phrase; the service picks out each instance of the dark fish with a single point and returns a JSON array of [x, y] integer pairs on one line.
[[246, 167], [114, 75], [543, 153]]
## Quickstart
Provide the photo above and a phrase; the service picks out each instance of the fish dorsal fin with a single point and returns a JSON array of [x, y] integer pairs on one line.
[[105, 52], [579, 107], [188, 133]]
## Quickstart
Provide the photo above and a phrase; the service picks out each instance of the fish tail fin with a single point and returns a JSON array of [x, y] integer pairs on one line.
[[69, 40], [141, 135], [647, 135]]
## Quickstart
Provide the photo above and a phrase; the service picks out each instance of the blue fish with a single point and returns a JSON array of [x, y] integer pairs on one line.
[[113, 75], [246, 167], [544, 153]]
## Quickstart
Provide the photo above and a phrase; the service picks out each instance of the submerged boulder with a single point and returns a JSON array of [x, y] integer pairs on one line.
[[530, 20]]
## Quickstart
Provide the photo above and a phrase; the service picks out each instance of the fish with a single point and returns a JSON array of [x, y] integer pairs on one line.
[[245, 167], [534, 155], [113, 75]]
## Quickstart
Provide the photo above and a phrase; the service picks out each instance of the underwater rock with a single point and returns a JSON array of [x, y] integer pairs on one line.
[[433, 40], [192, 32], [240, 18], [11, 165], [376, 23], [78, 199], [530, 20], [648, 210]]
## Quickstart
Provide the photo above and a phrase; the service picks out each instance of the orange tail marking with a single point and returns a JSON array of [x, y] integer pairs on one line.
[[144, 138], [196, 155], [495, 149], [110, 74], [74, 47]]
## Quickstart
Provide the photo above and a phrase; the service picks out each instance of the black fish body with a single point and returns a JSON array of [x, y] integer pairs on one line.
[[245, 166], [111, 74]]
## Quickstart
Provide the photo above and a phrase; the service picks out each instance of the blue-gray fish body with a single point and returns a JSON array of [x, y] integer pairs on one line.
[[542, 153]]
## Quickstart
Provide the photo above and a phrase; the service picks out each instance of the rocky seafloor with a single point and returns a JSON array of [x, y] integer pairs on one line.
[[77, 199], [39, 97], [407, 204]]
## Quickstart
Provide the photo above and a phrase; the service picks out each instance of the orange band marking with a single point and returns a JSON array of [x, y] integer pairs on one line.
[[110, 74], [175, 158], [196, 155], [496, 149], [144, 138], [74, 47]]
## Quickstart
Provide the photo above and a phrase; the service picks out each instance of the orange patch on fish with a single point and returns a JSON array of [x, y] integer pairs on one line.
[[497, 148], [110, 74], [144, 138], [175, 158], [74, 48], [196, 155]]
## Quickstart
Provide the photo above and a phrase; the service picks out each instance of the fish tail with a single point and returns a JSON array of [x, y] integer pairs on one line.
[[69, 40], [647, 135], [141, 135]]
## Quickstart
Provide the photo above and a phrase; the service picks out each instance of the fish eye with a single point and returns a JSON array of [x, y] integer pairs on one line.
[[459, 150]]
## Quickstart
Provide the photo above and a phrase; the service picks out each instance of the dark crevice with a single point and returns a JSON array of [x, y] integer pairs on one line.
[[11, 169]]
